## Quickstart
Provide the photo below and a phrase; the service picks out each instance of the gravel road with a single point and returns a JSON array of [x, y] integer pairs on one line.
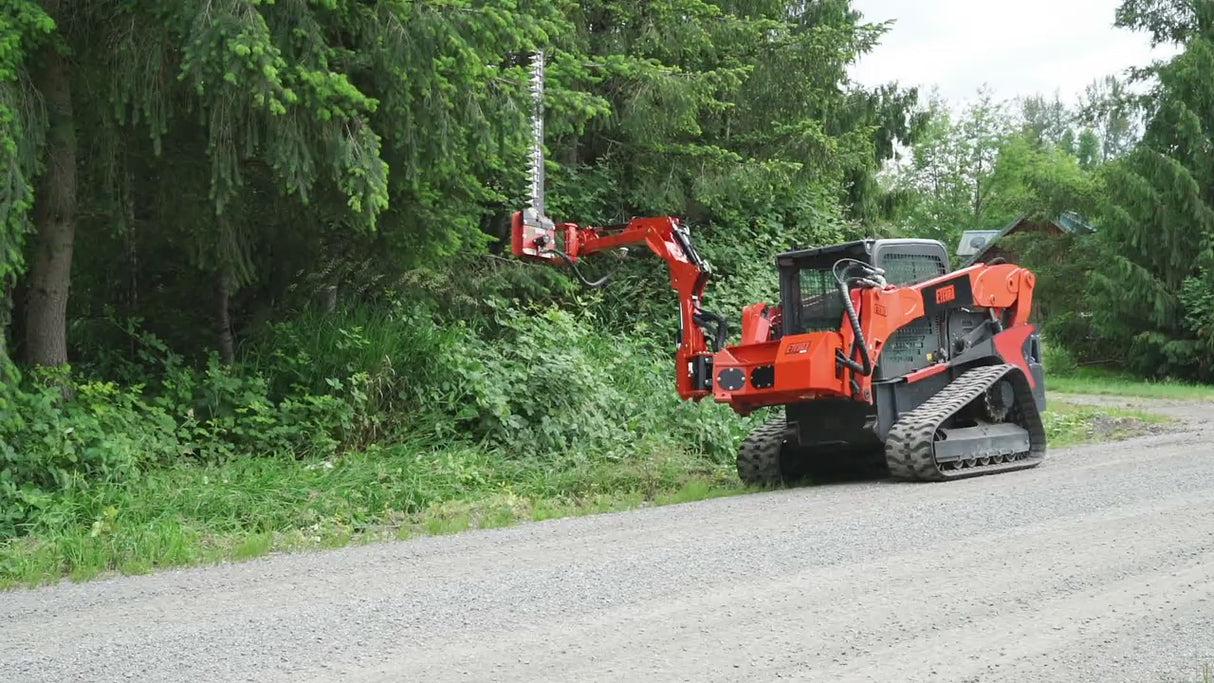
[[1097, 566]]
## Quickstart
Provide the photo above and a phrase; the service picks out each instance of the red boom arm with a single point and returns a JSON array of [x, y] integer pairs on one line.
[[536, 239]]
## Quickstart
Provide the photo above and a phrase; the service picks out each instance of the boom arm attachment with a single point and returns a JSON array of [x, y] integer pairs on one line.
[[534, 237]]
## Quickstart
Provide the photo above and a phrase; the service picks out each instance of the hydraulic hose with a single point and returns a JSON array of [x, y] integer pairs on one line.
[[866, 368], [722, 327], [572, 264]]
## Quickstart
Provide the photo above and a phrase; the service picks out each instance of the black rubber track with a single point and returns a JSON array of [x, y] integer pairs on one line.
[[768, 457], [759, 455], [910, 446]]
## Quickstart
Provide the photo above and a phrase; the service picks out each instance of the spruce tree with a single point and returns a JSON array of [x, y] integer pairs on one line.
[[24, 25], [1159, 225]]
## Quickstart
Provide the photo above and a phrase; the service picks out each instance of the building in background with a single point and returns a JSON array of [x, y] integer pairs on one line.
[[983, 246]]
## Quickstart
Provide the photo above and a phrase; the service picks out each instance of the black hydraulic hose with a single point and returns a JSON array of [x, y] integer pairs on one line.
[[701, 316], [689, 250], [867, 368], [568, 259], [722, 327]]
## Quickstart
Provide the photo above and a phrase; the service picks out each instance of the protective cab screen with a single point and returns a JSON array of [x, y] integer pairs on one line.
[[821, 305]]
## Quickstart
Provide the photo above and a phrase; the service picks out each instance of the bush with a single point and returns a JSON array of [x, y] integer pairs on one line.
[[104, 434], [538, 382], [559, 382], [1058, 360], [52, 446], [541, 384], [227, 412]]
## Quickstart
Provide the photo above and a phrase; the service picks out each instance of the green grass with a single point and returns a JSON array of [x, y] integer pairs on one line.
[[1069, 424], [194, 514], [246, 508], [1098, 382]]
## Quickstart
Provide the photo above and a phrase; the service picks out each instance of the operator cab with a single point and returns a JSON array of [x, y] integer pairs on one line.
[[809, 292], [810, 299]]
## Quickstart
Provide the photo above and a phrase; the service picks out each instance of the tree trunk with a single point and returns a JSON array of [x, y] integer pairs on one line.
[[54, 219], [223, 320]]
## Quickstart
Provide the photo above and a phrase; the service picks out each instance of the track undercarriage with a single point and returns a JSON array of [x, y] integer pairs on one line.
[[986, 421]]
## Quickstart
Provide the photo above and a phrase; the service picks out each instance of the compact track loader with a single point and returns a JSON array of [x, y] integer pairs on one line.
[[876, 348]]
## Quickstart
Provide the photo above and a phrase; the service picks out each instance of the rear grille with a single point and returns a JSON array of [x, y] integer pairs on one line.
[[903, 269]]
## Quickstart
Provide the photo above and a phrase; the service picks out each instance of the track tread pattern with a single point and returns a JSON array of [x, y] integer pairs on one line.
[[910, 445], [758, 460]]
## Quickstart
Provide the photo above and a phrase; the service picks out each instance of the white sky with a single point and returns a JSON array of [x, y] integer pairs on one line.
[[1018, 47]]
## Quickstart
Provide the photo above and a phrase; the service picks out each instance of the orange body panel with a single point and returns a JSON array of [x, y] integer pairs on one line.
[[803, 366], [756, 324]]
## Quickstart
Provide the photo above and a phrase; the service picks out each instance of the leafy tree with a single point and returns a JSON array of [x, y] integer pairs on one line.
[[948, 177], [1047, 122], [1088, 152], [1040, 183], [1108, 109], [1168, 21]]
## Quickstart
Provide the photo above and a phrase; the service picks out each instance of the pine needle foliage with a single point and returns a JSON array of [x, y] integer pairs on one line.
[[1154, 296]]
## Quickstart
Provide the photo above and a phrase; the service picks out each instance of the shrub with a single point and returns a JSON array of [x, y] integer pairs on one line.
[[1058, 360], [538, 387], [560, 382], [229, 412], [392, 365], [104, 434]]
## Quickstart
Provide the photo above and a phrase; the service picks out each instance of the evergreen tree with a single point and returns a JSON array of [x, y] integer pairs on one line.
[[1160, 223], [23, 26], [218, 155], [222, 118]]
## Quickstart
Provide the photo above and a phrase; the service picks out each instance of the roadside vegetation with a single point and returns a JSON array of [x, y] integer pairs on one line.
[[238, 507], [1072, 424], [1105, 383], [253, 293]]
